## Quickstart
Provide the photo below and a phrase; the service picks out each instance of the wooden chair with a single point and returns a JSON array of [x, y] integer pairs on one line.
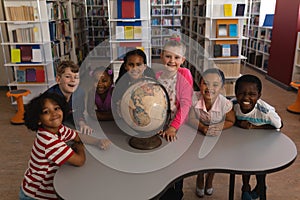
[[295, 107]]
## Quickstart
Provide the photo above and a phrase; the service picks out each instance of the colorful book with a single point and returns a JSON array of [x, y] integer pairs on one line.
[[128, 8], [240, 9], [26, 53], [30, 75], [21, 76], [128, 32], [15, 55], [137, 32], [226, 50], [233, 30], [40, 75], [228, 10], [222, 30]]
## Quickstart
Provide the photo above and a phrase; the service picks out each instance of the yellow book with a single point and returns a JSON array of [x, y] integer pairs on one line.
[[128, 32], [15, 55], [137, 31], [227, 10]]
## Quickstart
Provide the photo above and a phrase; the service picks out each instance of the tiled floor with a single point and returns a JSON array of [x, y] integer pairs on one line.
[[284, 185]]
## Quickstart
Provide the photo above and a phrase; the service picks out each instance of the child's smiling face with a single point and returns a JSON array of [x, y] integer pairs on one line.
[[247, 96], [211, 86], [135, 66], [52, 116], [172, 58], [68, 81], [103, 82]]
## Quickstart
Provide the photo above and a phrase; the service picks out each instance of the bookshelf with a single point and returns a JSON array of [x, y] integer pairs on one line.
[[98, 28], [165, 22], [30, 49], [215, 29], [296, 67], [129, 27], [79, 30], [260, 36]]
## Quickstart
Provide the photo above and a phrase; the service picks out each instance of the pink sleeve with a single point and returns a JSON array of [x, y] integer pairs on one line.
[[184, 93]]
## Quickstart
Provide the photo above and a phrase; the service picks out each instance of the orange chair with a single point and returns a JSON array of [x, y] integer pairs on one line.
[[295, 107], [18, 95]]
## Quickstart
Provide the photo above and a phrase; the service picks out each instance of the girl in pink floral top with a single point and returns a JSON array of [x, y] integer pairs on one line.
[[178, 82]]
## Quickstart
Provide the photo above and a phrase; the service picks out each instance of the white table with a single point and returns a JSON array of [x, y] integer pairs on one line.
[[266, 151]]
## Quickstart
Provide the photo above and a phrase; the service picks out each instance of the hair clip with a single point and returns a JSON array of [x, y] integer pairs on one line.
[[177, 39], [110, 72]]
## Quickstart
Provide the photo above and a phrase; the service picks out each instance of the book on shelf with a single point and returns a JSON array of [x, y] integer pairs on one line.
[[40, 75], [128, 32], [269, 18], [227, 10], [15, 55], [30, 75], [234, 50], [217, 50], [240, 9], [26, 53], [120, 33], [233, 30], [137, 32], [222, 30], [128, 8], [21, 76], [36, 55], [226, 50]]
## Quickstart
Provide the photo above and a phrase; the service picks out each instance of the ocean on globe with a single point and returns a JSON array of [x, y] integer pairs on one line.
[[144, 106]]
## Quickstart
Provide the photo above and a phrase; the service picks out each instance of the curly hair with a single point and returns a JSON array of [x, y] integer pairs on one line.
[[108, 70], [248, 78], [34, 109]]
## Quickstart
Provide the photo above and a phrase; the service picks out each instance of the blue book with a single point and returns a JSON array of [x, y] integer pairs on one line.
[[233, 30]]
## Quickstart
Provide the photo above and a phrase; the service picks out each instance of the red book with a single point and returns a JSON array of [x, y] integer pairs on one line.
[[128, 9], [26, 53], [40, 75]]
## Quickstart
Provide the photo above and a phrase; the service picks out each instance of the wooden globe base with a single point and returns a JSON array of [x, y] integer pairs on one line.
[[145, 143]]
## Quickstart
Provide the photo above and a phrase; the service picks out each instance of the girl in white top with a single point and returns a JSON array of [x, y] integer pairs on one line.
[[210, 114]]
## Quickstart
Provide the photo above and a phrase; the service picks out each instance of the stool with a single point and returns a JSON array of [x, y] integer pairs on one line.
[[18, 95], [295, 107]]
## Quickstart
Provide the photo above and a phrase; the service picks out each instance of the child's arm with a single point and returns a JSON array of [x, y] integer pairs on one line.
[[101, 143], [196, 123], [229, 119], [104, 116], [78, 157]]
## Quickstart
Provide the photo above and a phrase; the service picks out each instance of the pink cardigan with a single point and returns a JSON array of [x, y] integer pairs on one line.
[[184, 92]]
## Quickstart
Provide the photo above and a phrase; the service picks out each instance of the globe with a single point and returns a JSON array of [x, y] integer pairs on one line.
[[144, 107]]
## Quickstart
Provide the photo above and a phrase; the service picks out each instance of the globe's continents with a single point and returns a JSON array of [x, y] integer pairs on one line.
[[144, 106]]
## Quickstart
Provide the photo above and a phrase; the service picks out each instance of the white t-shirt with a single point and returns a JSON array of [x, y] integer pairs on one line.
[[263, 113], [216, 114]]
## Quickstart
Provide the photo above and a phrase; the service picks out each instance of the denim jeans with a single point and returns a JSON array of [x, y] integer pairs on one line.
[[23, 196]]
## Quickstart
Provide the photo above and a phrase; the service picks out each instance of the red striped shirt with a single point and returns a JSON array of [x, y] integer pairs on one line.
[[49, 151]]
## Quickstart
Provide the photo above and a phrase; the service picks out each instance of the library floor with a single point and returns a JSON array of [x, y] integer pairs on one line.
[[283, 185]]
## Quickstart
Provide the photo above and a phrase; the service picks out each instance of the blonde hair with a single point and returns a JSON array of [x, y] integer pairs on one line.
[[175, 43]]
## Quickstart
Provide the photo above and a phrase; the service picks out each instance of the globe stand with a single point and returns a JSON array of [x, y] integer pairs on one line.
[[145, 143]]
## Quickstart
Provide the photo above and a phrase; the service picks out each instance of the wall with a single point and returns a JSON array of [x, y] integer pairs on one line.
[[284, 37]]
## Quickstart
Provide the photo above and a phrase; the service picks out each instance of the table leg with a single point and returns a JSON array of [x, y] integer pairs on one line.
[[263, 195], [231, 186]]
